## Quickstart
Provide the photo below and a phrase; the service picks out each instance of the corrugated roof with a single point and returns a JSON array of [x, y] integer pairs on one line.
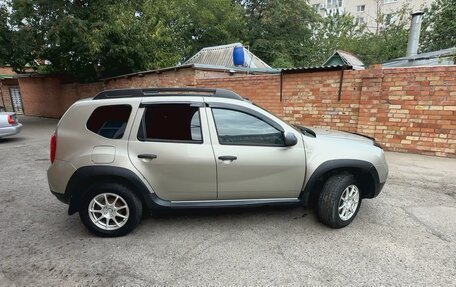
[[435, 58], [348, 59], [316, 69], [200, 67], [223, 56]]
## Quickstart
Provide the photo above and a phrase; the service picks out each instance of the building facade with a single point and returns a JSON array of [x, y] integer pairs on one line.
[[368, 12]]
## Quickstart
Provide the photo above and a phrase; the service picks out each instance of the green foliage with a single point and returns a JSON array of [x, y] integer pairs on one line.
[[92, 39], [204, 23], [439, 26], [341, 32], [279, 31], [335, 32], [5, 34]]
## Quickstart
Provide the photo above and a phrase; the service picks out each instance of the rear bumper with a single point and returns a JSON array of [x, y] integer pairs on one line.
[[10, 131]]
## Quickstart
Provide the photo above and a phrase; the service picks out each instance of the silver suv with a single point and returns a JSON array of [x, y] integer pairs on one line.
[[126, 151]]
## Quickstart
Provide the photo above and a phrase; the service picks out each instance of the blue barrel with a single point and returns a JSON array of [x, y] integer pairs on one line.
[[238, 56]]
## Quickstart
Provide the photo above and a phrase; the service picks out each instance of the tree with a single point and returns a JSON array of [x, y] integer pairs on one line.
[[279, 31], [332, 33], [92, 39], [5, 35], [439, 26], [206, 23], [341, 32]]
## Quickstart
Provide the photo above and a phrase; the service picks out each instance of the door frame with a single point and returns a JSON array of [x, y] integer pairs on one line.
[[20, 99]]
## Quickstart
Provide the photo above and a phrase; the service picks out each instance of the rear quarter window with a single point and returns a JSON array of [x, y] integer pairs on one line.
[[109, 121]]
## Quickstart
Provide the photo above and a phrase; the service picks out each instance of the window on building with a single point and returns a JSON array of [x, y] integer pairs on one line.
[[316, 7], [360, 8], [359, 20], [331, 4], [171, 123], [109, 121], [389, 1]]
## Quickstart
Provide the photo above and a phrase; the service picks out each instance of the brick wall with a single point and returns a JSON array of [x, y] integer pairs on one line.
[[41, 96], [406, 109], [262, 90], [71, 93], [413, 109]]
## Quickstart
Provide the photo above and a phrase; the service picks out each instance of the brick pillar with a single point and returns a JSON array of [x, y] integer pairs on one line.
[[372, 109]]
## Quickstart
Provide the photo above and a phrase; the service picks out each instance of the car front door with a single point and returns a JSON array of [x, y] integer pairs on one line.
[[252, 159], [170, 146]]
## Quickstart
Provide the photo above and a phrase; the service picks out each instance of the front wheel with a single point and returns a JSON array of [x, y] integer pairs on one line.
[[339, 201], [110, 210]]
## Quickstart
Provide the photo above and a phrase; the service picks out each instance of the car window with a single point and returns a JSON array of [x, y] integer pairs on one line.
[[171, 122], [239, 128], [109, 121]]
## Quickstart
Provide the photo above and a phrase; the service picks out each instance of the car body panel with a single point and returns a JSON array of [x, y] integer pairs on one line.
[[181, 171], [70, 130], [258, 171]]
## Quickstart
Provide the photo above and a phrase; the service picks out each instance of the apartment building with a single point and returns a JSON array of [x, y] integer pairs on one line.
[[367, 11]]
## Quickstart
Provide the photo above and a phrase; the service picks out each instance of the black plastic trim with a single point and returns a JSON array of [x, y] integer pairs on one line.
[[191, 103], [84, 176], [161, 92], [62, 197], [221, 203], [331, 165]]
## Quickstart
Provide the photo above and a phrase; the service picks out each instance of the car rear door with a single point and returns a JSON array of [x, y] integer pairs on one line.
[[252, 160], [170, 146]]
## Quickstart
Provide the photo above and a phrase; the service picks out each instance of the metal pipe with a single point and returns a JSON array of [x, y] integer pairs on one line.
[[281, 84], [414, 35], [339, 94]]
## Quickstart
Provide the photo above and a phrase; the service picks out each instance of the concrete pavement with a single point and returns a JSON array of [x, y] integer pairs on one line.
[[406, 236]]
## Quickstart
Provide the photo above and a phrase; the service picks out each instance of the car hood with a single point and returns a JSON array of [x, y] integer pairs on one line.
[[326, 133]]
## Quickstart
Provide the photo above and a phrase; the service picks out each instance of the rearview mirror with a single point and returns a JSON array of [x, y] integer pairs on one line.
[[290, 139]]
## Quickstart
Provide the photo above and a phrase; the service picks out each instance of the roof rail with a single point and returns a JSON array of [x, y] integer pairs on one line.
[[161, 92]]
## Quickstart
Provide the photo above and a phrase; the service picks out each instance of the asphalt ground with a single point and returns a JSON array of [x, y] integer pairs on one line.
[[406, 236]]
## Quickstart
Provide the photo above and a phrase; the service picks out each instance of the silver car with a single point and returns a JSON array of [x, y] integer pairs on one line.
[[9, 125], [125, 151]]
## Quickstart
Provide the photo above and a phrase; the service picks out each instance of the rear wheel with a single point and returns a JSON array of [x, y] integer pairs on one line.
[[339, 201], [110, 209]]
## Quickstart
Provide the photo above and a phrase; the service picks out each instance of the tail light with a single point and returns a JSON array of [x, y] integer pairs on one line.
[[53, 148], [11, 120]]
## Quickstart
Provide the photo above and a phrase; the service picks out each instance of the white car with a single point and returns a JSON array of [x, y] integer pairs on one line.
[[9, 125]]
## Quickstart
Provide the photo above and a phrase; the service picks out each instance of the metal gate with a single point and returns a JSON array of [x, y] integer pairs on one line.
[[16, 100]]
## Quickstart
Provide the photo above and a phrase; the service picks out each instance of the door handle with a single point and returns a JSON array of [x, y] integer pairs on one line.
[[147, 156], [227, 157]]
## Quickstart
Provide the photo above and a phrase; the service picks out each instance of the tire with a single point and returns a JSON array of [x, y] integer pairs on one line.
[[335, 198], [117, 218]]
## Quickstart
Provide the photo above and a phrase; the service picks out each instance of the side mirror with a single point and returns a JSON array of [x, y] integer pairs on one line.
[[290, 139]]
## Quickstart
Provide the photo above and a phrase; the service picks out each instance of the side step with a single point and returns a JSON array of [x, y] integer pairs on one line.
[[223, 203]]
